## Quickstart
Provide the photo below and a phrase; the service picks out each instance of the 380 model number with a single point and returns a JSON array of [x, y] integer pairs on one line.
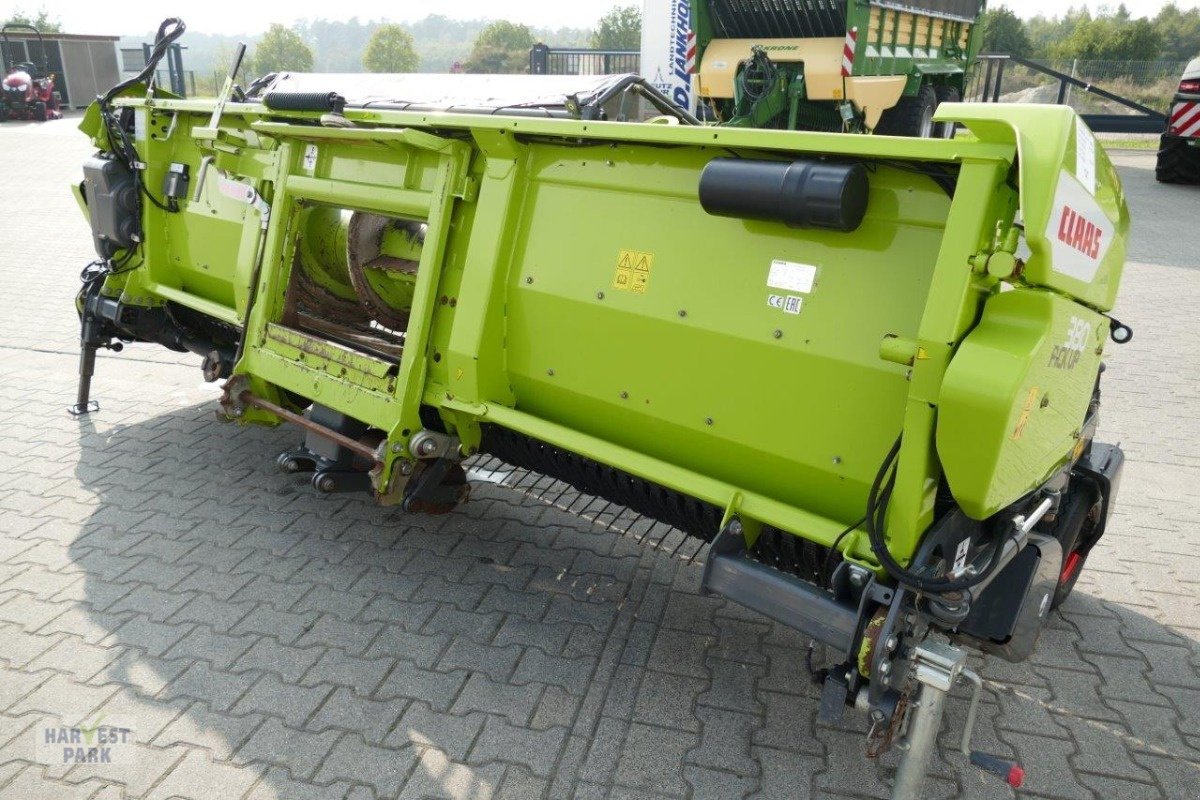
[[1066, 355]]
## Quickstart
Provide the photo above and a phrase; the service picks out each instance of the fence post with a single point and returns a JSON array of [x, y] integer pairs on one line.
[[999, 80], [539, 56]]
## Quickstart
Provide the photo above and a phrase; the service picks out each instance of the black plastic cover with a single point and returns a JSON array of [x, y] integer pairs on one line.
[[1008, 617], [800, 194], [111, 193]]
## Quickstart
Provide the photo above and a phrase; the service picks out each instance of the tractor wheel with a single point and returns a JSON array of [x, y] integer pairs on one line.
[[945, 94], [912, 116], [39, 111], [1177, 161]]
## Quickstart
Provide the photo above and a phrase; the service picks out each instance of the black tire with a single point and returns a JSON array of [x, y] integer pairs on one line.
[[1177, 161], [39, 111], [1080, 514], [912, 116], [945, 94]]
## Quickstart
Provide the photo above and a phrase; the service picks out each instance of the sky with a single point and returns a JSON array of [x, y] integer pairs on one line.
[[239, 16]]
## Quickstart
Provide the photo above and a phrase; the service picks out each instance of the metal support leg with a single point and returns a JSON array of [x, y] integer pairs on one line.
[[87, 367], [937, 666]]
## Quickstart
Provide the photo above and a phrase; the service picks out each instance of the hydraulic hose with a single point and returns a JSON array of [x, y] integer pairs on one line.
[[877, 501]]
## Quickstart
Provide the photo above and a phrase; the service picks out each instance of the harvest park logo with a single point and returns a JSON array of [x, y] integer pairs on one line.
[[85, 743]]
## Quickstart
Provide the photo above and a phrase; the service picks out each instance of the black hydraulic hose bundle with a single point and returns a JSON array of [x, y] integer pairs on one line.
[[877, 502], [168, 33]]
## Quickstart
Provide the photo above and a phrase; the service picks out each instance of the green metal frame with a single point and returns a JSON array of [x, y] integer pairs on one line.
[[697, 383]]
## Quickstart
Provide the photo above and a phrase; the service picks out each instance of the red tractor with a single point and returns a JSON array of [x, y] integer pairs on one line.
[[28, 89]]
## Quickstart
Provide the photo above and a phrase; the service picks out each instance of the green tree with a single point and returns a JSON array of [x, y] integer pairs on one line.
[[281, 49], [1180, 32], [501, 47], [1004, 32], [1111, 38], [619, 29], [41, 21], [391, 50]]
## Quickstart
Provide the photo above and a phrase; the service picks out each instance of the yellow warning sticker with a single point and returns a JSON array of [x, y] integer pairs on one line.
[[1030, 401], [633, 271]]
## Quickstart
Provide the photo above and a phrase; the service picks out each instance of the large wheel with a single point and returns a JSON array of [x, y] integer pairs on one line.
[[1177, 161], [912, 116], [945, 94]]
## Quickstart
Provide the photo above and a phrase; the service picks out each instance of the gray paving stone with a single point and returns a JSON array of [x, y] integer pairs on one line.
[[268, 655], [421, 649], [218, 649], [64, 698], [436, 776], [517, 703], [725, 742], [335, 667], [197, 776], [217, 688], [352, 759], [650, 757], [221, 734], [537, 751], [668, 700], [287, 701], [495, 662], [345, 710], [407, 680], [300, 752]]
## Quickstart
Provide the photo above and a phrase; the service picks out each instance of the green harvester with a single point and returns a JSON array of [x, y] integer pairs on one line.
[[864, 369]]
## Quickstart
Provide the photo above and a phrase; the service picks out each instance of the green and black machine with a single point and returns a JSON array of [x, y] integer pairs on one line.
[[864, 369], [835, 65]]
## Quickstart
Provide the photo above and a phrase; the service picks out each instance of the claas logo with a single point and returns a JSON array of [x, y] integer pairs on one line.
[[1079, 232]]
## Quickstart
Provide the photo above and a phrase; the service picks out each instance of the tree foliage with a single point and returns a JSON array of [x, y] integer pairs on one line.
[[501, 47], [1004, 32], [391, 50], [1111, 38], [1180, 32], [41, 20], [619, 29], [281, 49]]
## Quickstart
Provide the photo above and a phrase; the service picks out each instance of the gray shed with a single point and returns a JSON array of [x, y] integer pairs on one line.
[[86, 65]]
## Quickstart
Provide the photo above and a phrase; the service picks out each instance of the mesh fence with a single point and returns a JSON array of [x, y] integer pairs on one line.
[[1149, 83]]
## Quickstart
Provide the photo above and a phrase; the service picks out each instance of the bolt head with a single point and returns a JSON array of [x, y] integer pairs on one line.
[[406, 468], [885, 667], [778, 334], [891, 643], [398, 447]]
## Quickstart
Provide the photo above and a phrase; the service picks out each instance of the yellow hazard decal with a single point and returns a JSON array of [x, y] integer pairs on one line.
[[1030, 400], [633, 271]]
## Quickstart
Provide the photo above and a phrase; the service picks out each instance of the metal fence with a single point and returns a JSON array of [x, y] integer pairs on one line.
[[1146, 83], [544, 60]]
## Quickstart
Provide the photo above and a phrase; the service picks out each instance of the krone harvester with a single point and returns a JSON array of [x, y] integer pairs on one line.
[[865, 369]]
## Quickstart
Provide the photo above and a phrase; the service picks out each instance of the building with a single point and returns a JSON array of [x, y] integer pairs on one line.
[[86, 65]]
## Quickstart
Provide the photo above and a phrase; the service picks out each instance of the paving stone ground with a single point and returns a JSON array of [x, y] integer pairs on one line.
[[266, 642]]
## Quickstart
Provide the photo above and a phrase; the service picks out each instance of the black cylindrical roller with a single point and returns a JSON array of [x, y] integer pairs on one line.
[[324, 102], [801, 194]]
